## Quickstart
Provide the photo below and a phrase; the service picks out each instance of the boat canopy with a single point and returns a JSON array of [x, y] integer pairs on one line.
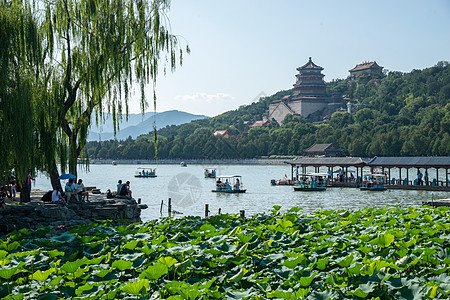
[[146, 168], [229, 176], [314, 174]]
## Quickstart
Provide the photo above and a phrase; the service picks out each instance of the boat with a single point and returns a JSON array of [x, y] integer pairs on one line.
[[183, 164], [210, 173], [312, 182], [230, 184], [114, 163], [373, 182], [145, 173], [283, 181]]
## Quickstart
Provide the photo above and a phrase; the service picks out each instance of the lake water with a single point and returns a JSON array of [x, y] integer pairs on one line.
[[190, 191]]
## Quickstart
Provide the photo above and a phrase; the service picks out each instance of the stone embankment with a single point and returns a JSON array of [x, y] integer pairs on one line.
[[36, 213]]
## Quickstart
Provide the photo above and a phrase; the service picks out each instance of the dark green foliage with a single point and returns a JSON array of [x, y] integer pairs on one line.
[[398, 115]]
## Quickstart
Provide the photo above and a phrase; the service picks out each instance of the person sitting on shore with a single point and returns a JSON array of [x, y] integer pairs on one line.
[[81, 192], [69, 190], [125, 190], [119, 187], [57, 197]]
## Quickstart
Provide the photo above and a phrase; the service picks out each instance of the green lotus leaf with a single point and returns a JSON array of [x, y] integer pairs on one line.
[[168, 261], [306, 281], [55, 253], [7, 273], [86, 287], [131, 245], [9, 246], [238, 276], [181, 267], [147, 250], [292, 263], [346, 261], [71, 267], [3, 253], [413, 291], [55, 281], [363, 290], [42, 276], [321, 264], [103, 273], [66, 237], [207, 228], [242, 250], [355, 268], [244, 238], [135, 287], [122, 265], [49, 296], [154, 272]]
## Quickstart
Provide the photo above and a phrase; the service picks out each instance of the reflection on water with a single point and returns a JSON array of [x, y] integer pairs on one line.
[[190, 191]]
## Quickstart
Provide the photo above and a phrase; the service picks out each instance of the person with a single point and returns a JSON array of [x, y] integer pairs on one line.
[[57, 197], [81, 192], [219, 184], [29, 182], [13, 190], [69, 190], [426, 178], [341, 175], [125, 190], [419, 177], [237, 185], [119, 187], [352, 178]]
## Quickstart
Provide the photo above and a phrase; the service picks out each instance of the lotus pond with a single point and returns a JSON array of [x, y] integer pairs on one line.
[[380, 253]]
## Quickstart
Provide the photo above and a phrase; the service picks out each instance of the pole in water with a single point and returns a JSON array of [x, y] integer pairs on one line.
[[242, 212], [220, 211], [170, 207], [206, 210], [160, 210]]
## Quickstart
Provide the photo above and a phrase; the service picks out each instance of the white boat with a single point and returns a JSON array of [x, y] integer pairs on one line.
[[145, 172], [230, 184], [312, 182], [373, 182]]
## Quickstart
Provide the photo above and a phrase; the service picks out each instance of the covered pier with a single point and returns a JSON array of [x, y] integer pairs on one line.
[[334, 165], [428, 165], [397, 170]]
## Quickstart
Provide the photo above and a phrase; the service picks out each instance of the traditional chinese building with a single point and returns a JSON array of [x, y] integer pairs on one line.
[[324, 150], [309, 95], [369, 68], [225, 133]]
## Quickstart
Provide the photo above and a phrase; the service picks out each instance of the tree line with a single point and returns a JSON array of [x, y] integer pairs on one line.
[[401, 114]]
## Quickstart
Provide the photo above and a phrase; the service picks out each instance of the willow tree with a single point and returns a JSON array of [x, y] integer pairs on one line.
[[27, 97], [99, 49]]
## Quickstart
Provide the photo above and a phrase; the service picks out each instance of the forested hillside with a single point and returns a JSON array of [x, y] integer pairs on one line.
[[402, 114]]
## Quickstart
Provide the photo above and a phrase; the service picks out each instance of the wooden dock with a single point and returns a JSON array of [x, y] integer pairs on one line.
[[437, 202]]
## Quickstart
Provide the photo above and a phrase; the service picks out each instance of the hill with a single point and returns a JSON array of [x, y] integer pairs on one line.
[[402, 114], [138, 124]]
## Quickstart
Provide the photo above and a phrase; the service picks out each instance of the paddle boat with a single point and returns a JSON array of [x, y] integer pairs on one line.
[[145, 172], [312, 182], [373, 182], [284, 181], [183, 164], [231, 184], [210, 173], [114, 163]]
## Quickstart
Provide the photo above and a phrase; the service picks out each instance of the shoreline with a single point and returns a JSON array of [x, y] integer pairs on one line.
[[250, 161]]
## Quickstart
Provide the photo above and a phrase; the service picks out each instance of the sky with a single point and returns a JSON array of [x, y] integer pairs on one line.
[[242, 49]]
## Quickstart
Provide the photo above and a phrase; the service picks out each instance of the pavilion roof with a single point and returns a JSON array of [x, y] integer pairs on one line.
[[323, 148], [310, 65], [411, 161], [365, 66], [329, 161]]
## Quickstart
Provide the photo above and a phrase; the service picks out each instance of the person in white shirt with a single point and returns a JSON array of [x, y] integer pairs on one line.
[[81, 192], [57, 198]]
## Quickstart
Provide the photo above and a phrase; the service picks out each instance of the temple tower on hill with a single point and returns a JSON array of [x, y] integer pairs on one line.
[[309, 95]]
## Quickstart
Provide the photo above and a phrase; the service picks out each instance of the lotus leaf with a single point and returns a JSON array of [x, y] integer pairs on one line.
[[135, 287]]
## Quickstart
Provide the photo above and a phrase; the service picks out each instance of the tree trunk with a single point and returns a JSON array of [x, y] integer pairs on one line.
[[73, 153], [54, 174], [24, 192]]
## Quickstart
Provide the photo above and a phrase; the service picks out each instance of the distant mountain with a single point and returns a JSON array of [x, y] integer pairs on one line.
[[138, 124]]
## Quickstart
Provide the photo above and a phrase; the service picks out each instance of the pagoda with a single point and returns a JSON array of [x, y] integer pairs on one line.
[[309, 95]]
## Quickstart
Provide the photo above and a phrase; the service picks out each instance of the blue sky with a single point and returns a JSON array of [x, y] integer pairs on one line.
[[242, 48]]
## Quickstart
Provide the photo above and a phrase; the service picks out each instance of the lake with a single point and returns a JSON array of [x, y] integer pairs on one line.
[[190, 191]]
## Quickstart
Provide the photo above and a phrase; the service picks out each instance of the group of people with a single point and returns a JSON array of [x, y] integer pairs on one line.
[[75, 192], [123, 189], [226, 185]]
